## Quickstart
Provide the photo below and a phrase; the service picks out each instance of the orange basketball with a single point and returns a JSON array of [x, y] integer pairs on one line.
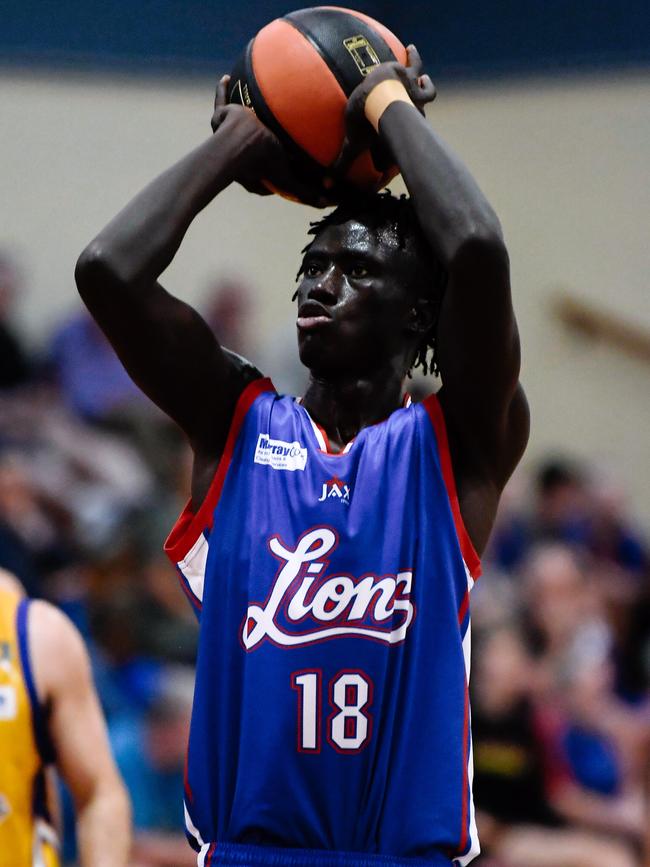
[[297, 75]]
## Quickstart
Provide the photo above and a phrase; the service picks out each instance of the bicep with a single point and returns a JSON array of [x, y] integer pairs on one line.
[[165, 346]]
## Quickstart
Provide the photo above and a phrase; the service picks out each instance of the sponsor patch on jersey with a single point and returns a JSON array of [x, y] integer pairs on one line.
[[280, 455], [8, 703], [335, 489]]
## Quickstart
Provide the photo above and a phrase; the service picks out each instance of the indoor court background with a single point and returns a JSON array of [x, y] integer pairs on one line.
[[549, 105]]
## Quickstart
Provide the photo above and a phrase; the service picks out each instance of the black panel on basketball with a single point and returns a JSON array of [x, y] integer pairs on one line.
[[244, 90], [332, 32]]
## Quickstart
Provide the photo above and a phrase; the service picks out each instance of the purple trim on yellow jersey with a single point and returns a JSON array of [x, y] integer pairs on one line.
[[39, 723]]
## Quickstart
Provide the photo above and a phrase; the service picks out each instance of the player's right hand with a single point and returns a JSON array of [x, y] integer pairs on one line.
[[260, 155], [359, 132]]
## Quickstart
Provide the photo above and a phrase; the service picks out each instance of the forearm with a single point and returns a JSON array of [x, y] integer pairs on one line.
[[140, 242], [104, 828], [450, 206]]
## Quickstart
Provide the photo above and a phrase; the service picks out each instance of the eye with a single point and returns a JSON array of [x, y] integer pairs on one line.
[[311, 269], [359, 271]]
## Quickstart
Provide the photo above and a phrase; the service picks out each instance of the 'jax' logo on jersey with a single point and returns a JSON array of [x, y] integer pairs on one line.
[[280, 455], [305, 605], [335, 489]]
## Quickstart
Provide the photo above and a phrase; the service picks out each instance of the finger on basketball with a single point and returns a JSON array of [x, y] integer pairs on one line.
[[287, 179], [413, 59], [221, 96], [427, 89]]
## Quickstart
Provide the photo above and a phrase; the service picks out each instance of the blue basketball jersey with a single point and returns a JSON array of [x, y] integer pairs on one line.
[[331, 710]]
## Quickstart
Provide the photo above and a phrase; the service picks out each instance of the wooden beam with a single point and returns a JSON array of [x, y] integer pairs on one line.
[[593, 322]]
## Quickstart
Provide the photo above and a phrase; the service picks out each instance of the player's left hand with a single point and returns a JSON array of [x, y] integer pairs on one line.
[[359, 132]]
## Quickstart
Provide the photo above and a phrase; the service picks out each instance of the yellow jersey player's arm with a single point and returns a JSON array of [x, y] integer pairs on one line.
[[76, 727]]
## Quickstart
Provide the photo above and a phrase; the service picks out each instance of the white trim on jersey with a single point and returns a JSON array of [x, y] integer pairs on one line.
[[201, 856], [322, 445], [192, 830], [44, 834], [192, 566], [475, 847]]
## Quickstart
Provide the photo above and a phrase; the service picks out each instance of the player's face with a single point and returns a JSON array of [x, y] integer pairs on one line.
[[354, 302]]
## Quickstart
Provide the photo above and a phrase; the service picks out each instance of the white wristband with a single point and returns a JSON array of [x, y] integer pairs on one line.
[[381, 96]]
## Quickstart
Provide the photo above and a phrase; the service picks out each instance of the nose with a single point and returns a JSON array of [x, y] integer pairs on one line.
[[326, 289]]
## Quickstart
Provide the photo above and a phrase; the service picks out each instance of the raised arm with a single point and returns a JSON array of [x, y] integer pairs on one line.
[[164, 344], [77, 729], [477, 338]]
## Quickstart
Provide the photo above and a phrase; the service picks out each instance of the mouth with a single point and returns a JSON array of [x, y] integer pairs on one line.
[[311, 315]]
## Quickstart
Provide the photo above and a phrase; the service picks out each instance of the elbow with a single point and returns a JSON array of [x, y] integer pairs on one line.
[[95, 270], [481, 247]]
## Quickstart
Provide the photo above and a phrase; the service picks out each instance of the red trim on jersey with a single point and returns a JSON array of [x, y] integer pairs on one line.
[[328, 450], [190, 525], [464, 606], [464, 832], [328, 446], [434, 411], [186, 779]]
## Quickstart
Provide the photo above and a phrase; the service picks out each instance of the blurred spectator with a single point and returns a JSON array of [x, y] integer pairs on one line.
[[168, 622], [96, 389], [228, 311], [509, 767], [612, 538], [151, 757], [516, 812], [563, 607], [558, 514], [15, 366], [93, 382], [33, 531]]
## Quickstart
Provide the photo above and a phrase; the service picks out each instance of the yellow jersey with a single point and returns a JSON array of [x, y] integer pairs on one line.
[[27, 838]]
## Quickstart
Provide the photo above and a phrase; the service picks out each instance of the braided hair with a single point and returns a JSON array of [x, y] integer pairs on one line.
[[385, 213]]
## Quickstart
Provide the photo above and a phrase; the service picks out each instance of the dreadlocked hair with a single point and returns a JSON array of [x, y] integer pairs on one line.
[[385, 213]]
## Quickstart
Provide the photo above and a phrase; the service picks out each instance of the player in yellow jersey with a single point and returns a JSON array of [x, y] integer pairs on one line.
[[49, 713]]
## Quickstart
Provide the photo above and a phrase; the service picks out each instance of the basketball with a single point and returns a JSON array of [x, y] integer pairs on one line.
[[297, 74]]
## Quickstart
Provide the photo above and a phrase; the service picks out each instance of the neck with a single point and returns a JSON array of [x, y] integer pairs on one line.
[[345, 405]]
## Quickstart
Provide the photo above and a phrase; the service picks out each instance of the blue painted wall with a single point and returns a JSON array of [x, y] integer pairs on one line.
[[466, 38]]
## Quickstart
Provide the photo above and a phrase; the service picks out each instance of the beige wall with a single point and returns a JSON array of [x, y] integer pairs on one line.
[[565, 164]]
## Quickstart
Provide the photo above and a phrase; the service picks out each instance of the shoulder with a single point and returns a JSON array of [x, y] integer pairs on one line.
[[242, 368], [57, 651]]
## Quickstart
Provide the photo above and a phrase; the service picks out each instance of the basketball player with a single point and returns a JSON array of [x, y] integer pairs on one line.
[[49, 714], [330, 542]]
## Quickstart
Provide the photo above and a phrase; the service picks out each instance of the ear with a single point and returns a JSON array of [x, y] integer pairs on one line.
[[421, 316]]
